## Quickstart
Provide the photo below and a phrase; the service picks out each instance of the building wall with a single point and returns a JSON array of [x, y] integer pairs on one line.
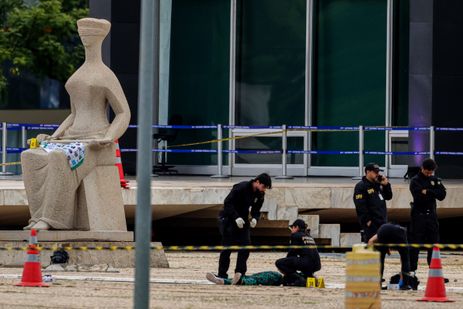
[[349, 71], [447, 94]]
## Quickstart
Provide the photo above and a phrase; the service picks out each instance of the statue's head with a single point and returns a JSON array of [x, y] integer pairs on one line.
[[92, 30]]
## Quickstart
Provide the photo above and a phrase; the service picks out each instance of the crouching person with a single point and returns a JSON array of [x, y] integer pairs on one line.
[[300, 263], [395, 234]]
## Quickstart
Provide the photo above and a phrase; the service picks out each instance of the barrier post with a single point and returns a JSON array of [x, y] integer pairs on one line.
[[284, 149], [23, 137], [219, 154], [432, 144], [361, 155], [4, 152]]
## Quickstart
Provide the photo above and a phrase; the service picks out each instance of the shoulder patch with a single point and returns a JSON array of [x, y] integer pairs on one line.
[[358, 196]]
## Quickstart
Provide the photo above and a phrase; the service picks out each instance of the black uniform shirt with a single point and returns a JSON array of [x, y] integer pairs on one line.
[[434, 190], [370, 201], [238, 201], [310, 254]]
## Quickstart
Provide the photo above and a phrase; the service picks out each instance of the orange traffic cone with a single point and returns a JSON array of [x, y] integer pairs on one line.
[[124, 183], [435, 287], [32, 272]]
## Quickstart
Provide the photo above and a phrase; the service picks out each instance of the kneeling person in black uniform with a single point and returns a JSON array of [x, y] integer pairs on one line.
[[305, 260]]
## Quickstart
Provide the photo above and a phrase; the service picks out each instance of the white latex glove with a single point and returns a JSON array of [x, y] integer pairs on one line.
[[253, 223], [240, 223]]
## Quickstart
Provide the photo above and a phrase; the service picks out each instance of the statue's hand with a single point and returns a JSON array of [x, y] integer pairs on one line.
[[100, 143], [40, 138]]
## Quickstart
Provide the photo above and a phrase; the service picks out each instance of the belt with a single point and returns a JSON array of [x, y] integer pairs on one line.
[[425, 212]]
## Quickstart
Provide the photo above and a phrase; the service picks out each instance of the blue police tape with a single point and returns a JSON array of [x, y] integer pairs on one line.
[[396, 128], [348, 152], [450, 129], [397, 153], [207, 151], [13, 126], [320, 152], [342, 128], [449, 153], [33, 126], [13, 150], [251, 127], [253, 151]]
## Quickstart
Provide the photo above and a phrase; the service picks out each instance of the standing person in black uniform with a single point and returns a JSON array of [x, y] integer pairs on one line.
[[234, 221], [424, 226], [370, 196], [305, 260]]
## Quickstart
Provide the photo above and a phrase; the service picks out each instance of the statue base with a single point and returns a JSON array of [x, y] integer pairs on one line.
[[11, 256], [68, 235]]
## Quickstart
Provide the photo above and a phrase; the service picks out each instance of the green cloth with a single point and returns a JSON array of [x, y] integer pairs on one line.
[[263, 278]]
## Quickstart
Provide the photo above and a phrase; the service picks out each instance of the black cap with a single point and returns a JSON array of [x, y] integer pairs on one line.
[[372, 167], [300, 224]]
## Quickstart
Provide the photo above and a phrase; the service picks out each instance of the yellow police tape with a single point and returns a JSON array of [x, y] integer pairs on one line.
[[225, 139], [233, 248], [182, 145], [10, 163]]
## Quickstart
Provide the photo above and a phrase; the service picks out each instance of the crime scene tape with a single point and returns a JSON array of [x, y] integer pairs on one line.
[[10, 163], [225, 139], [220, 248]]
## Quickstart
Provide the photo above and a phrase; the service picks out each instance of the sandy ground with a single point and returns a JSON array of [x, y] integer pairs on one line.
[[192, 266]]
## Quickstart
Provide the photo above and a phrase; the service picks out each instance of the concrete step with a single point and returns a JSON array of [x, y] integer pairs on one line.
[[349, 239], [331, 231]]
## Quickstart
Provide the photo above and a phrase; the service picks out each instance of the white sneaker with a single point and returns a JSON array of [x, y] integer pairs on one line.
[[236, 278], [213, 278]]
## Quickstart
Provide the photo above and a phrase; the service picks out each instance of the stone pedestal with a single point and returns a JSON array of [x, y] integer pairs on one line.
[[118, 258]]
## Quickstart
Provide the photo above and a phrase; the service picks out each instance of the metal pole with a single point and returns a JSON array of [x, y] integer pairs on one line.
[[388, 158], [148, 95], [389, 64], [308, 83], [232, 85], [284, 150], [361, 151], [432, 142], [23, 137], [4, 137], [219, 154]]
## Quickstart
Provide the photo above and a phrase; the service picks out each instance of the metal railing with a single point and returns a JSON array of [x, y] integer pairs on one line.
[[281, 130]]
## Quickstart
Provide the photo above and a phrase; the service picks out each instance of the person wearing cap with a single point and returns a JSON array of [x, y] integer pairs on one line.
[[424, 226], [370, 196], [240, 213], [299, 263]]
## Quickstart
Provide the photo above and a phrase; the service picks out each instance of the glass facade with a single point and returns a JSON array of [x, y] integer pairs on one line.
[[270, 62], [348, 68], [199, 73], [349, 75]]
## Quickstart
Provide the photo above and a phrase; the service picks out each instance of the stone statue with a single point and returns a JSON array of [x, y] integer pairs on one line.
[[73, 169]]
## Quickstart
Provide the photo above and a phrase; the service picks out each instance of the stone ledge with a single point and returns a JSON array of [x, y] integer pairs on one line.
[[64, 235], [113, 258]]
